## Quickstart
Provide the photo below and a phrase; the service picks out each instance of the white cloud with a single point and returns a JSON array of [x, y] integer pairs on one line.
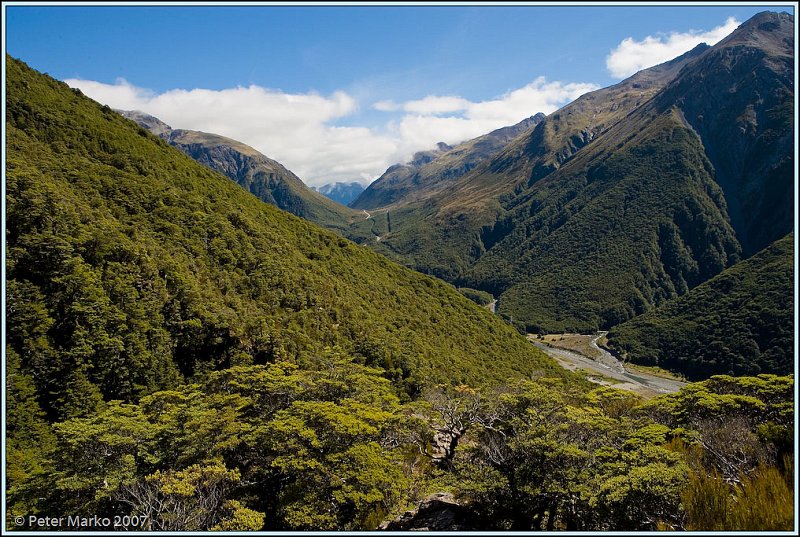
[[386, 106], [433, 104], [481, 117], [631, 56], [294, 129], [300, 131]]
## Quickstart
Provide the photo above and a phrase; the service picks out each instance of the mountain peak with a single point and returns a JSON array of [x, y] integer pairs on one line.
[[146, 121], [774, 32]]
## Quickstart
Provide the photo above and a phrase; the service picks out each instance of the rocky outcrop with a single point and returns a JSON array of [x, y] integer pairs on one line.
[[437, 512]]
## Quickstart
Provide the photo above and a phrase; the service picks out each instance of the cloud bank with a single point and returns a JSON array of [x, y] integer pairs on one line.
[[631, 56], [300, 129], [453, 119]]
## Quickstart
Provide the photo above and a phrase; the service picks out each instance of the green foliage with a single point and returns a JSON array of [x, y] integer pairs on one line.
[[132, 268], [189, 500], [311, 448], [29, 441], [239, 518], [482, 298], [735, 435], [542, 457], [761, 501], [739, 322]]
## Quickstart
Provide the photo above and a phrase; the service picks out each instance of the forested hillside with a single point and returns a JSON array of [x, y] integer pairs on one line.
[[265, 178], [131, 268], [741, 322], [184, 357], [627, 197]]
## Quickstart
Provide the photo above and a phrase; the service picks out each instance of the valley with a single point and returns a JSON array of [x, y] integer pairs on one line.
[[584, 321], [603, 368]]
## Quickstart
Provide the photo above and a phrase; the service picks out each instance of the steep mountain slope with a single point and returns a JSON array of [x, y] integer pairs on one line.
[[612, 232], [739, 99], [130, 268], [620, 200], [339, 192], [445, 232], [740, 322], [267, 179], [431, 171]]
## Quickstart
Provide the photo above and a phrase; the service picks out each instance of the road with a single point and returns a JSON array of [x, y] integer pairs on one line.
[[608, 366]]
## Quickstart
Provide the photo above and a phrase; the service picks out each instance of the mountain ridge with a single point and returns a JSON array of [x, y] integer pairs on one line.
[[430, 171], [134, 268], [341, 192], [740, 322], [525, 224], [262, 176]]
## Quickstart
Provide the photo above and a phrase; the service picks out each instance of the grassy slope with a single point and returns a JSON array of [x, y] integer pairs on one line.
[[403, 184], [137, 267], [739, 322]]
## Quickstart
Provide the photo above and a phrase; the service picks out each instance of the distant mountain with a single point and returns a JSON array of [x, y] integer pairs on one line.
[[430, 171], [339, 192], [267, 179], [740, 322], [629, 196]]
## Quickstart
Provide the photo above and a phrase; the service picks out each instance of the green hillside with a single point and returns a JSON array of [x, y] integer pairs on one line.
[[184, 357], [131, 268], [627, 197], [605, 236], [740, 322], [265, 178]]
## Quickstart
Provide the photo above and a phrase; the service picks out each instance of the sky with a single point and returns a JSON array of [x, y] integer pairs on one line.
[[338, 92]]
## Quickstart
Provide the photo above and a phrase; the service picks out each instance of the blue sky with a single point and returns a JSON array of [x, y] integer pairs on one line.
[[341, 92]]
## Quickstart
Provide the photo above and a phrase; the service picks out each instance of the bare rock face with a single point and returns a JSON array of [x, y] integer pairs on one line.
[[437, 512]]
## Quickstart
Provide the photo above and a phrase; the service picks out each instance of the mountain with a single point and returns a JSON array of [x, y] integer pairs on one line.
[[343, 193], [131, 267], [181, 356], [627, 197], [267, 179], [430, 171], [740, 322]]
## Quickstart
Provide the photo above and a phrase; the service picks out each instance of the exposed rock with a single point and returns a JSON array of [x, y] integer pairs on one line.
[[437, 512], [264, 177]]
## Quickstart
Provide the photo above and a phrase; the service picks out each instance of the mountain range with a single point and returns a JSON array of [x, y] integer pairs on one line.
[[431, 171], [623, 199], [339, 192]]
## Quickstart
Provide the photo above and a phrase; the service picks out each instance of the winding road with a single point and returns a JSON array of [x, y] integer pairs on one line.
[[608, 366]]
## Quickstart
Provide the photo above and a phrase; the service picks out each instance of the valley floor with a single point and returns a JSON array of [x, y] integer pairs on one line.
[[603, 368]]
